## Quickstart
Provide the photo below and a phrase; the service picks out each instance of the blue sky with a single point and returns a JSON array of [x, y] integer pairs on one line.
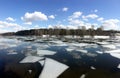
[[27, 14]]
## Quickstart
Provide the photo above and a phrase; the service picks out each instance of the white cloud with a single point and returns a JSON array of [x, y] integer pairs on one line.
[[28, 23], [76, 22], [65, 9], [100, 19], [76, 15], [10, 19], [91, 16], [10, 27], [51, 17], [84, 18], [111, 24], [35, 16], [95, 10], [6, 24], [4, 30]]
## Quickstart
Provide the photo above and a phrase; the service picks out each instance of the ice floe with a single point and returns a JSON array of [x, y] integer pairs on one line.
[[109, 46], [56, 42], [118, 66], [91, 54], [71, 48], [52, 69], [101, 37], [45, 52], [92, 67], [29, 51], [82, 76], [78, 44], [12, 52], [99, 52], [113, 51], [31, 59], [82, 51], [42, 62], [117, 55], [103, 43], [41, 46], [30, 71], [76, 55]]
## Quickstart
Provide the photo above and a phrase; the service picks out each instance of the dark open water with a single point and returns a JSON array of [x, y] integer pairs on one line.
[[91, 64]]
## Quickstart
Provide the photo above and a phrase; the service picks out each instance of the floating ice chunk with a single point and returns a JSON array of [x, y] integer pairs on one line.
[[118, 66], [52, 69], [103, 43], [57, 42], [43, 46], [12, 45], [31, 59], [30, 71], [113, 51], [76, 55], [61, 44], [79, 44], [28, 47], [117, 44], [12, 52], [71, 48], [91, 54], [100, 52], [45, 52], [92, 67], [42, 62], [82, 76], [82, 51], [101, 37], [117, 55], [109, 46]]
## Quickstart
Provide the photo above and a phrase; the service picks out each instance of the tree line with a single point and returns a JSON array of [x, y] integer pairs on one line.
[[63, 32]]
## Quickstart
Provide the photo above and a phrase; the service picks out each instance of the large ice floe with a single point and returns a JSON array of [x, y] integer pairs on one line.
[[109, 46], [45, 52], [52, 69], [31, 59], [112, 50], [117, 55]]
